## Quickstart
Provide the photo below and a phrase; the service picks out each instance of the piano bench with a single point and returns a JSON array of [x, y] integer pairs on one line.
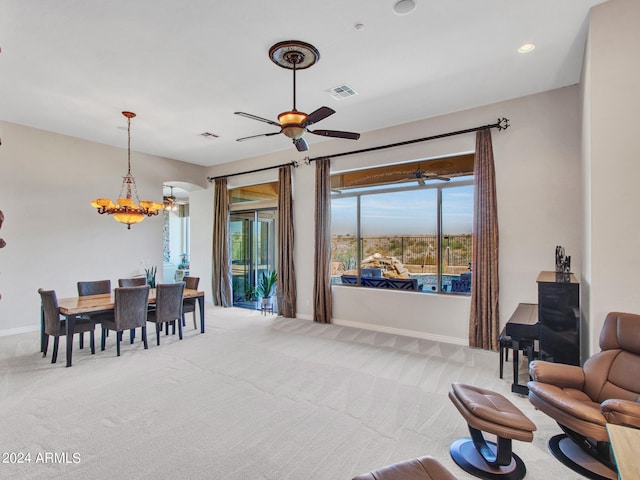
[[506, 344]]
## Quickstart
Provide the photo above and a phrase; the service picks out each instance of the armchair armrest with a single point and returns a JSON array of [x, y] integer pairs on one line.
[[558, 374], [622, 412]]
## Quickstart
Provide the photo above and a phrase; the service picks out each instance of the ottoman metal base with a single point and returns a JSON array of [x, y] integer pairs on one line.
[[467, 457]]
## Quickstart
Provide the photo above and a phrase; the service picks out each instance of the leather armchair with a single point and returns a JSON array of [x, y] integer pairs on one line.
[[605, 390]]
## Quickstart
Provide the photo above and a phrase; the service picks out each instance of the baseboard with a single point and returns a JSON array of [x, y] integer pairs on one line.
[[401, 331], [17, 331]]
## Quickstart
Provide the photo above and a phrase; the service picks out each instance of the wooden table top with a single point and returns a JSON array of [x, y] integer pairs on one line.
[[98, 303], [626, 449]]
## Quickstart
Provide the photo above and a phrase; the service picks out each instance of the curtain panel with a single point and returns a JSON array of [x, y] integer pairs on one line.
[[221, 260], [286, 269], [484, 322], [322, 255]]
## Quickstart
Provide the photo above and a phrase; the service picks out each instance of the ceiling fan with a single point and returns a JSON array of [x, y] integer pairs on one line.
[[170, 202], [296, 55], [421, 176]]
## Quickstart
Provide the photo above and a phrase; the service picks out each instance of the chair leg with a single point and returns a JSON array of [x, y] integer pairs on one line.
[[81, 340], [195, 322], [45, 347], [166, 328], [54, 355], [103, 339], [132, 335], [118, 340], [144, 337], [92, 342], [502, 349], [179, 321], [158, 328]]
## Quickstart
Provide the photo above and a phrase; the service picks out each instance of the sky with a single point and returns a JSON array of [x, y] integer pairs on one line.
[[405, 213]]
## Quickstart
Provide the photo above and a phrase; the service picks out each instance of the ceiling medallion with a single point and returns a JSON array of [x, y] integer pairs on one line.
[[294, 54]]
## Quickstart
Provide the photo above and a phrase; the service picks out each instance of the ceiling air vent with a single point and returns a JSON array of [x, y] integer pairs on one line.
[[342, 91], [209, 135]]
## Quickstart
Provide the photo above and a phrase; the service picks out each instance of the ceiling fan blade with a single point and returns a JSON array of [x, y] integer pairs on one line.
[[256, 136], [336, 134], [435, 177], [255, 117], [317, 115], [301, 144]]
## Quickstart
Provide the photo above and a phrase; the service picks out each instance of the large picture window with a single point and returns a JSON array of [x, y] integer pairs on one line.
[[404, 227]]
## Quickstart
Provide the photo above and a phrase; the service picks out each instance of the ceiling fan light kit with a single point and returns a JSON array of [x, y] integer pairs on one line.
[[296, 55]]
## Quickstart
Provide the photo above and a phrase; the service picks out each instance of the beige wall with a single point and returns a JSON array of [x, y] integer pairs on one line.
[[538, 174], [54, 237], [611, 155]]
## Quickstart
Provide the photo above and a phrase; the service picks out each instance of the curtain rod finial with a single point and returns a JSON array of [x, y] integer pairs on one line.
[[503, 123]]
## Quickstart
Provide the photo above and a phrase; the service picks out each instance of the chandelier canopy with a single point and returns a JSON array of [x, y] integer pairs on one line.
[[126, 210]]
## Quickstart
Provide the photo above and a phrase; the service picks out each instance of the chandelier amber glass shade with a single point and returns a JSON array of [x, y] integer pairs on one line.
[[128, 209]]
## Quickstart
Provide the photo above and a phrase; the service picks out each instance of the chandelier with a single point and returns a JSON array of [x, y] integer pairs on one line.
[[125, 210]]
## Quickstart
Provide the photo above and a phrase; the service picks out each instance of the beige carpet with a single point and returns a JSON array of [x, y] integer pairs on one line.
[[253, 398]]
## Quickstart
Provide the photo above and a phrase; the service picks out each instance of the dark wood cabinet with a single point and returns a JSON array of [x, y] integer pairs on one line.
[[559, 317]]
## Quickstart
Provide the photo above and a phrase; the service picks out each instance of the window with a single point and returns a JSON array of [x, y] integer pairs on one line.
[[405, 227]]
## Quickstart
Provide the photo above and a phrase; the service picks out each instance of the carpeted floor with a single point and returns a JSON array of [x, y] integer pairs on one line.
[[255, 397]]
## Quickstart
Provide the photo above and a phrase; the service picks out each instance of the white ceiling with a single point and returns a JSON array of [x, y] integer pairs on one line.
[[184, 67]]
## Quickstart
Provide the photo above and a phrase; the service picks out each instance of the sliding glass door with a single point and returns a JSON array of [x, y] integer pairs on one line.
[[253, 251]]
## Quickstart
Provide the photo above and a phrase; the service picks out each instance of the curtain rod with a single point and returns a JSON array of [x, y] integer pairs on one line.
[[501, 124], [293, 163]]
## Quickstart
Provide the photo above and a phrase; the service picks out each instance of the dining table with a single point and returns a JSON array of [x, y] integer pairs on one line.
[[75, 307]]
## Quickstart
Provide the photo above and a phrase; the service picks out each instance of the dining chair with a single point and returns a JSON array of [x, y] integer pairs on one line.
[[168, 309], [129, 313], [132, 282], [94, 287], [56, 327], [189, 304]]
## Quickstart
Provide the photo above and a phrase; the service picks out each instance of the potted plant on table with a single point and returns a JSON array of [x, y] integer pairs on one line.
[[265, 288], [150, 275]]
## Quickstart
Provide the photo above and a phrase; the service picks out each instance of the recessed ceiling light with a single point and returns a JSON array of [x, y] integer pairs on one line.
[[404, 7], [527, 47]]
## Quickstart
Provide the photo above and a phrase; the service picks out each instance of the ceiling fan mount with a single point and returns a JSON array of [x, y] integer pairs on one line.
[[296, 55]]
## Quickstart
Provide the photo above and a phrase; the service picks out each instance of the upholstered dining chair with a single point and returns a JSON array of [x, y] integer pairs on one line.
[[129, 313], [94, 287], [168, 309], [583, 400], [189, 304], [132, 282], [56, 327]]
